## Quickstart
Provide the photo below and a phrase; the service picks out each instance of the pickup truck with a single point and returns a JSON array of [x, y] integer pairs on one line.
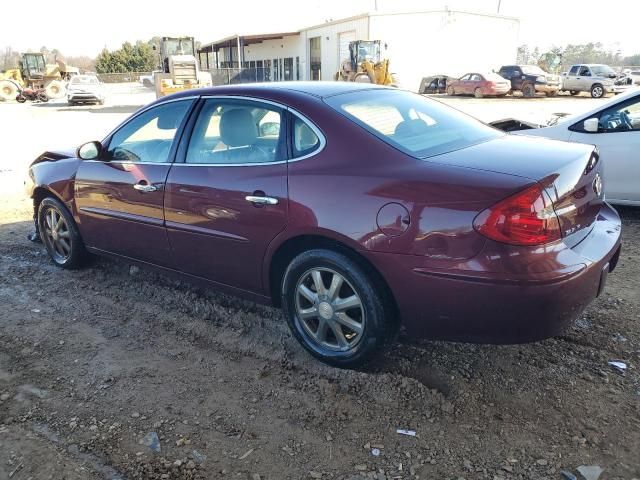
[[530, 79], [598, 80]]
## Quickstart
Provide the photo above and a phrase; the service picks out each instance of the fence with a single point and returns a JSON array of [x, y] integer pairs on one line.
[[121, 77], [232, 76]]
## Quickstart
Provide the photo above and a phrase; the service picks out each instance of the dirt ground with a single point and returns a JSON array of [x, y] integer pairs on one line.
[[95, 363]]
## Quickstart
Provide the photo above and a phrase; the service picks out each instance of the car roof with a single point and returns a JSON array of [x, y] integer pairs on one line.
[[316, 89], [631, 93]]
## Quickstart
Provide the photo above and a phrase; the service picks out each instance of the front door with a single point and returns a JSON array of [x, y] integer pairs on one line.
[[227, 196], [120, 196], [618, 140]]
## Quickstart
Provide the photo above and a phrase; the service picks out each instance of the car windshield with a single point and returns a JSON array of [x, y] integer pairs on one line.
[[84, 80], [416, 125], [603, 71], [533, 70]]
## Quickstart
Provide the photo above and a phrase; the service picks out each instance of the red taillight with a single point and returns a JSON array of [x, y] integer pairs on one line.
[[526, 218]]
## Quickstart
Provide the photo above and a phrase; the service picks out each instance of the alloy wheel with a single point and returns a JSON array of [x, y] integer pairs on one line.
[[597, 92], [57, 235], [329, 310]]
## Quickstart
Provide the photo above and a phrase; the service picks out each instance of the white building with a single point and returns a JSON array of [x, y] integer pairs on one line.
[[418, 44]]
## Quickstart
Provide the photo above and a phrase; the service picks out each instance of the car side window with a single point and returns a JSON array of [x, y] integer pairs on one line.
[[236, 132], [621, 118], [466, 77], [476, 78], [148, 137], [585, 72], [574, 70], [305, 140]]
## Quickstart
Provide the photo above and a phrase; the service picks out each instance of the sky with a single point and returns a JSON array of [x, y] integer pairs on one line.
[[85, 27]]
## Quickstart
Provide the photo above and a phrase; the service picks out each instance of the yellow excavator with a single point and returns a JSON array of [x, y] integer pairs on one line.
[[33, 72], [365, 64], [179, 67]]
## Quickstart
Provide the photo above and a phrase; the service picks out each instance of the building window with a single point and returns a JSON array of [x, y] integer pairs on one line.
[[315, 55], [288, 68], [276, 74], [297, 68]]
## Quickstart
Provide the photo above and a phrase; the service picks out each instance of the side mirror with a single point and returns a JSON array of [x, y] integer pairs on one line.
[[591, 125], [89, 150]]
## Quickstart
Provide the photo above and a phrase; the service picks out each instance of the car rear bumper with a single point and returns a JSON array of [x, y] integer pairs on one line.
[[502, 307], [498, 90]]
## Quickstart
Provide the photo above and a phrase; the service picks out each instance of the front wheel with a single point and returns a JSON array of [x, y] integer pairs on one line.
[[60, 235], [597, 91], [333, 308], [478, 93], [21, 98], [528, 90]]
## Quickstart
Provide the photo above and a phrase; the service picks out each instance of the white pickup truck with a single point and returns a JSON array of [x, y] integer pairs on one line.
[[598, 80]]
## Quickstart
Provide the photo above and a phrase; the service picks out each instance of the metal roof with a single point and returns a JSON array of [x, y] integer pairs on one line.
[[246, 39]]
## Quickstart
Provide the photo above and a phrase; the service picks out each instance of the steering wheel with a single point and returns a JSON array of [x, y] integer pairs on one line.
[[123, 154], [626, 121]]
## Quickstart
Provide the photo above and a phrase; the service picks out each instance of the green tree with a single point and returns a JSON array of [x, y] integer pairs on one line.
[[138, 57]]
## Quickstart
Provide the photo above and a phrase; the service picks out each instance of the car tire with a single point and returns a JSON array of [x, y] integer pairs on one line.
[[597, 91], [59, 234], [344, 326], [451, 91], [574, 92], [478, 93], [552, 94], [528, 90]]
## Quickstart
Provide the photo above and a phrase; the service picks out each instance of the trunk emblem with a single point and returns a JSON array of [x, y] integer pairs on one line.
[[597, 184]]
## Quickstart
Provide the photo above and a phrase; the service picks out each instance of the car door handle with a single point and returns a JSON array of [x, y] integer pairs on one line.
[[259, 200], [145, 188]]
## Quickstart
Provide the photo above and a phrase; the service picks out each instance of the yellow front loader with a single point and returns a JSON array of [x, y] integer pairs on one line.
[[179, 67], [365, 65], [35, 73]]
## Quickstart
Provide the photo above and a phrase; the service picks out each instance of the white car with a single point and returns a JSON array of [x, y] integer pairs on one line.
[[85, 89], [614, 127]]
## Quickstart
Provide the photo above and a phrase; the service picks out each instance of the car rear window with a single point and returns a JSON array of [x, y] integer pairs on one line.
[[414, 124]]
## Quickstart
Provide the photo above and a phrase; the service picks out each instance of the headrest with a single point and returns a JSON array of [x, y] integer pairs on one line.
[[411, 128], [238, 128]]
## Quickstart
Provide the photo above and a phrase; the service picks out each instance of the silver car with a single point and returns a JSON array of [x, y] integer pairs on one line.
[[85, 89], [598, 80]]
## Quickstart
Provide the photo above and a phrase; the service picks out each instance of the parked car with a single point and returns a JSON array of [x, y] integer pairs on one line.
[[530, 79], [598, 80], [634, 75], [480, 85], [434, 84], [614, 127], [85, 89], [356, 208]]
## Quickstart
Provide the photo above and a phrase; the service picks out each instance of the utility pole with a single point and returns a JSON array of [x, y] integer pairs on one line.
[[499, 2]]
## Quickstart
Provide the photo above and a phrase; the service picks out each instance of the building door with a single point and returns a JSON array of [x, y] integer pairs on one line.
[[344, 39], [315, 56]]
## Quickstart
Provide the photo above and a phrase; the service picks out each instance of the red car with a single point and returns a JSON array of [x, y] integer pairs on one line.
[[357, 209], [480, 85]]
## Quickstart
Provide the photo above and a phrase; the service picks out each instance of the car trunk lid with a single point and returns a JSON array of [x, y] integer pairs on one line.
[[569, 173]]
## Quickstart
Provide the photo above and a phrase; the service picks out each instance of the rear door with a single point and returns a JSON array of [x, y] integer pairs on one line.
[[227, 194], [618, 140], [120, 196]]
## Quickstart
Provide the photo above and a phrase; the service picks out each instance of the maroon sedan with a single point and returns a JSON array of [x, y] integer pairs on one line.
[[357, 209], [480, 85]]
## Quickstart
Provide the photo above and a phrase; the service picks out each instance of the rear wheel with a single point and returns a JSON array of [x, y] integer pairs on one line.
[[478, 93], [333, 309], [597, 91], [60, 234], [574, 92], [43, 97]]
